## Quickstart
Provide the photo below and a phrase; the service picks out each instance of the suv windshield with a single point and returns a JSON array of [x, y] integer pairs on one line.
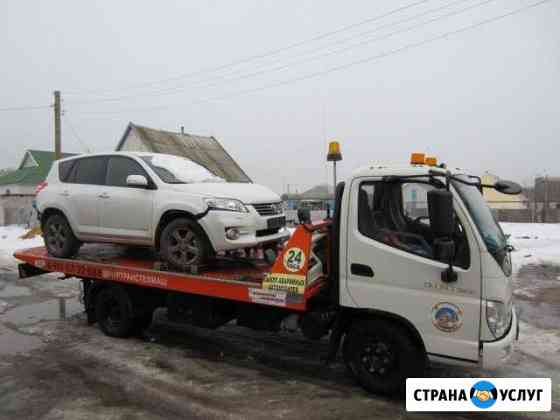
[[485, 221], [178, 170]]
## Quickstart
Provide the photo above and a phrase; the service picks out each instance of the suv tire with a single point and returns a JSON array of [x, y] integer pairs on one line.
[[183, 244], [59, 239]]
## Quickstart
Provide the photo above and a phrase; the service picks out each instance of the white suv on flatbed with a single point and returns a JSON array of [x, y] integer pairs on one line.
[[165, 201]]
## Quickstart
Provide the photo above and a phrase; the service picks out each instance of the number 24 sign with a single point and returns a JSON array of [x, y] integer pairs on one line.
[[294, 259]]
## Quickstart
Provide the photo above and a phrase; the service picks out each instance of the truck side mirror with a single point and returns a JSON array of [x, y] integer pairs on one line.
[[440, 209], [442, 222], [444, 250]]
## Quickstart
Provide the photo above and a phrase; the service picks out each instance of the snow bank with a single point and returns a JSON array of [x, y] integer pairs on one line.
[[535, 243], [10, 242]]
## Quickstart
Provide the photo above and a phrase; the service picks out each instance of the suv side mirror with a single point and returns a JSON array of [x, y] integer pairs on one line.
[[304, 216], [507, 187], [440, 209], [138, 181]]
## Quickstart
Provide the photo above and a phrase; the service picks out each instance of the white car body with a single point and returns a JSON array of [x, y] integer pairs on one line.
[[132, 214]]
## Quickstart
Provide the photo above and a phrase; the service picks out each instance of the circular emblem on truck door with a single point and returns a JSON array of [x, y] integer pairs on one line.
[[294, 259], [447, 317]]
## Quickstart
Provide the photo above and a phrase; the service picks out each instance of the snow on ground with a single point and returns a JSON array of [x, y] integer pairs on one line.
[[10, 241], [539, 342], [534, 243]]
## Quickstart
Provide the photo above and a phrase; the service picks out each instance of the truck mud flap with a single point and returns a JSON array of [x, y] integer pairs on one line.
[[340, 326]]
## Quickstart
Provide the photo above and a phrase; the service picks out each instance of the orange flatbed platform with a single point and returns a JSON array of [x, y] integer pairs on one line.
[[285, 283]]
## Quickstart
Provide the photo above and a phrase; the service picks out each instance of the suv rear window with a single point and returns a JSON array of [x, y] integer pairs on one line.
[[89, 171], [64, 169]]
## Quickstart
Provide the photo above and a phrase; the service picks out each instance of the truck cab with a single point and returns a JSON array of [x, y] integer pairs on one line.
[[455, 305]]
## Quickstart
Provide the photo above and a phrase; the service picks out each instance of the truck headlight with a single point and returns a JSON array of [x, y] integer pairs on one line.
[[228, 204], [498, 317]]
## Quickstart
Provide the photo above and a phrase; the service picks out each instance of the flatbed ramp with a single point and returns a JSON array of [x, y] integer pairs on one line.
[[297, 275]]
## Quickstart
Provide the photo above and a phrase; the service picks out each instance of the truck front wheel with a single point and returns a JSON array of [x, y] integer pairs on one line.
[[381, 355]]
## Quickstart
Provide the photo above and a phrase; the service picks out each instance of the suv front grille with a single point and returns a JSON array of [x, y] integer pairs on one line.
[[267, 232], [268, 209]]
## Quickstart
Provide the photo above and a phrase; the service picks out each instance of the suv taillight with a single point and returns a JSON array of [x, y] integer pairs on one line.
[[41, 187]]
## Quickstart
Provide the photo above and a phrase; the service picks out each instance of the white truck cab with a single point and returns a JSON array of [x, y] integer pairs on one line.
[[459, 299]]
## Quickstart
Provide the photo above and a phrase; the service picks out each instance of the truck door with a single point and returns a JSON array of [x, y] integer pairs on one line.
[[390, 266]]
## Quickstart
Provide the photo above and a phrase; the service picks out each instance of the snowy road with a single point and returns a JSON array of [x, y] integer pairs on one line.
[[52, 365]]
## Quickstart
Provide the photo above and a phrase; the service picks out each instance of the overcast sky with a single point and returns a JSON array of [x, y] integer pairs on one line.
[[486, 99]]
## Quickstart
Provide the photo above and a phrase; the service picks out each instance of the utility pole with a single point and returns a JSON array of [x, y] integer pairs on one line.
[[545, 212], [534, 213], [57, 148]]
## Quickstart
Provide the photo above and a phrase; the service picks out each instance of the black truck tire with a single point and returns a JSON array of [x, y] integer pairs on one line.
[[183, 244], [381, 355], [59, 238], [113, 312]]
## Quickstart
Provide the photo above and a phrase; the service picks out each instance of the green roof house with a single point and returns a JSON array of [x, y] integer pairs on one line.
[[17, 187]]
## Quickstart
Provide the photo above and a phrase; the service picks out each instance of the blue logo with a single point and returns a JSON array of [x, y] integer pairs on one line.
[[483, 394], [447, 317]]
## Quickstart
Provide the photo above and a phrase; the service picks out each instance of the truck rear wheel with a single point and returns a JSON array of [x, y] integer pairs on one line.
[[113, 312], [142, 322], [381, 355]]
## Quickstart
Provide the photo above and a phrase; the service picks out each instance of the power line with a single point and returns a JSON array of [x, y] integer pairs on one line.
[[263, 54], [75, 134], [334, 69], [173, 91], [341, 50]]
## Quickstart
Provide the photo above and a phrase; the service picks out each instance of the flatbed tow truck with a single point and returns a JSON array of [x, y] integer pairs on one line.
[[393, 282]]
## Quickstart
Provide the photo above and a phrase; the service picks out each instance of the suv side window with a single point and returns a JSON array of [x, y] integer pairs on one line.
[[397, 215], [89, 170], [119, 168]]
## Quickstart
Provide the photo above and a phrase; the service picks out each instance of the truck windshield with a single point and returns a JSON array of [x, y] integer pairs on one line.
[[485, 221]]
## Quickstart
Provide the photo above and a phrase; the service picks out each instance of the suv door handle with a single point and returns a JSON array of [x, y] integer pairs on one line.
[[65, 193], [361, 270], [103, 195]]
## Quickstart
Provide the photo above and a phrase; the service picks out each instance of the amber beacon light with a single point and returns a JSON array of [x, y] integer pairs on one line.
[[417, 158], [334, 156]]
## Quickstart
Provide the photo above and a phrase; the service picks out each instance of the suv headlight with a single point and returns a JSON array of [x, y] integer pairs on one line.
[[228, 204], [498, 317]]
